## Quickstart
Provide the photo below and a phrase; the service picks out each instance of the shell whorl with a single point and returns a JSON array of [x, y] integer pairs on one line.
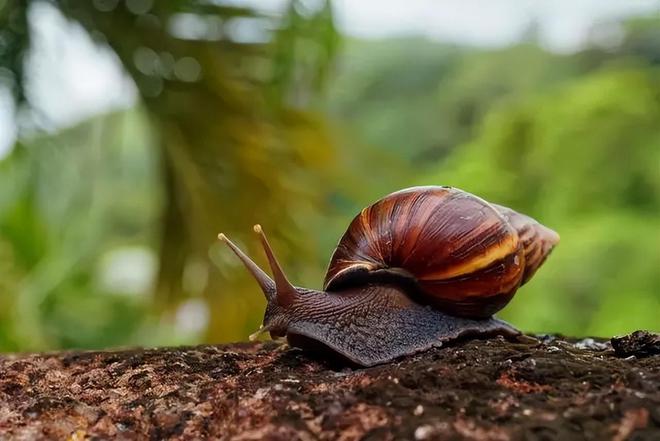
[[538, 240], [460, 253]]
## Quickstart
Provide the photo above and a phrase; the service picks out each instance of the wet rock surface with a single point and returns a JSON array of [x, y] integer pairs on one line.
[[638, 344], [533, 389]]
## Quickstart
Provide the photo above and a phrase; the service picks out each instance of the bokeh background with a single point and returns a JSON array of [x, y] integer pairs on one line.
[[133, 131]]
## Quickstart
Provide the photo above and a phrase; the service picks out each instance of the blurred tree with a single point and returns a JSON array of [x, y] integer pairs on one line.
[[421, 114], [224, 88], [15, 38], [59, 216], [585, 160], [638, 37], [389, 103]]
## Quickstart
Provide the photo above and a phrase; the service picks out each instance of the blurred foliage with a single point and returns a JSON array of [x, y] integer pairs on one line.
[[60, 215], [224, 97], [420, 99], [588, 164], [107, 229], [241, 96], [15, 39]]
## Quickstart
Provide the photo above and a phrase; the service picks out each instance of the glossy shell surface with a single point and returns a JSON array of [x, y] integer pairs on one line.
[[456, 251]]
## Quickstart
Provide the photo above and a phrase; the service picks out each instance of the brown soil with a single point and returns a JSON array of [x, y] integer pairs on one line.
[[546, 389]]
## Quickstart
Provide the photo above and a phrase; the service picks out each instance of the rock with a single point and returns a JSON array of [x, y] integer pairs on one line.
[[639, 344], [477, 390]]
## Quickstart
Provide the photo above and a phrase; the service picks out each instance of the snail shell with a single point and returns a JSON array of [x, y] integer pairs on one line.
[[459, 253]]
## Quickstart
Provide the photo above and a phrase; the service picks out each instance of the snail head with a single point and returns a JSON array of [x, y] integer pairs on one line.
[[280, 293]]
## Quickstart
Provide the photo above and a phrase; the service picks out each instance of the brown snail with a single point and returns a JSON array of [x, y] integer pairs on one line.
[[419, 267]]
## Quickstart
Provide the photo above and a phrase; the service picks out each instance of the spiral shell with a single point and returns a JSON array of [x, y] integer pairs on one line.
[[454, 250]]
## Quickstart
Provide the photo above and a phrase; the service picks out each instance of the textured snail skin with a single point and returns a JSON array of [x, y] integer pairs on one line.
[[375, 324], [417, 269]]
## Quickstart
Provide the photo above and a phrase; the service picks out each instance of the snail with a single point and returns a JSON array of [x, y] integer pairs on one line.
[[420, 267]]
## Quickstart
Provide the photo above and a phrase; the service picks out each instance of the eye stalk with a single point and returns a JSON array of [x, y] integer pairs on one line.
[[279, 290], [265, 282], [286, 292]]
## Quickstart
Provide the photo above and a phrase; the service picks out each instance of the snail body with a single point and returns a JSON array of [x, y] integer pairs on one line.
[[418, 268]]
